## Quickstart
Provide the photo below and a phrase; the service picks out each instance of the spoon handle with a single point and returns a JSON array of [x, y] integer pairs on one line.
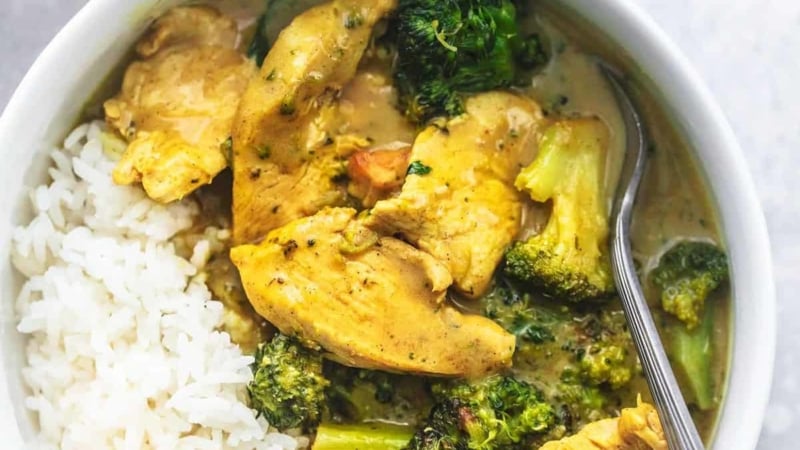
[[679, 428]]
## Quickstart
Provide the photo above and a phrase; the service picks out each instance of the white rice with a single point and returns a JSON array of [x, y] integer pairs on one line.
[[124, 349]]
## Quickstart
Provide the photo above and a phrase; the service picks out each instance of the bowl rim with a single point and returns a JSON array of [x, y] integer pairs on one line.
[[683, 92]]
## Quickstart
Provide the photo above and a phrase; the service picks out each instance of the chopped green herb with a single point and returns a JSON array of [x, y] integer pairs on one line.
[[287, 107], [353, 20], [417, 168], [227, 149], [264, 151]]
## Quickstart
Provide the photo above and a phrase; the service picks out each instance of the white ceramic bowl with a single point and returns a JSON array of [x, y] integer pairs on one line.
[[49, 100]]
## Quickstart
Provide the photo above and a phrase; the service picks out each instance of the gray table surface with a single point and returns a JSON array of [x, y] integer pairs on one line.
[[749, 53]]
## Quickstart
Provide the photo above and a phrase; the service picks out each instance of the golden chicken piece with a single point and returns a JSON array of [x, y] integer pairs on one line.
[[635, 429], [286, 159], [177, 104], [371, 302], [458, 202]]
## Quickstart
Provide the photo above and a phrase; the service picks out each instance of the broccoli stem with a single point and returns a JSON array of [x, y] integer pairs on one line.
[[367, 436], [692, 352]]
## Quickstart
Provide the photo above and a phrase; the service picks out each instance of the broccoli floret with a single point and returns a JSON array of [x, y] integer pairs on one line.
[[605, 356], [686, 274], [605, 363], [442, 430], [288, 386], [449, 47], [569, 258], [367, 436], [579, 404], [498, 412]]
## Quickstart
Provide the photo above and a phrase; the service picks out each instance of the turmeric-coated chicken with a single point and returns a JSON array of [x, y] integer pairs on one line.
[[177, 103], [372, 302], [287, 153], [635, 429], [458, 202]]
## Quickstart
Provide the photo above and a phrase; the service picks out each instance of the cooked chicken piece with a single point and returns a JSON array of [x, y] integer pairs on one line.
[[371, 302], [284, 164], [636, 429], [177, 105], [458, 202]]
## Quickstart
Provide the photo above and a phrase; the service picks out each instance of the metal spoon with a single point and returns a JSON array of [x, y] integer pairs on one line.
[[679, 428]]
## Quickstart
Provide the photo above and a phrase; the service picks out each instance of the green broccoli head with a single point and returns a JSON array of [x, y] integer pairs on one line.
[[442, 430], [579, 405], [569, 258], [450, 47], [604, 352], [605, 363], [288, 386], [686, 274], [497, 412]]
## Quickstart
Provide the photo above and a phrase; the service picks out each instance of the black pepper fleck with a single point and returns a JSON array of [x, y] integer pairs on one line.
[[289, 248]]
